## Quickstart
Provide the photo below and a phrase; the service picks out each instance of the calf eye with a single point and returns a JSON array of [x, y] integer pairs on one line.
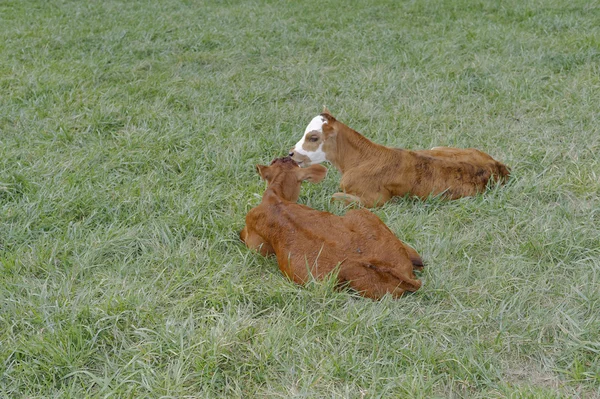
[[313, 138]]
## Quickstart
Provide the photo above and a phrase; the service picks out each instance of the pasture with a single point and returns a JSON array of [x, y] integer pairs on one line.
[[129, 132]]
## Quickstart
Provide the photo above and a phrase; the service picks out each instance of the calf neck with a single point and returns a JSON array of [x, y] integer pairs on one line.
[[372, 173]]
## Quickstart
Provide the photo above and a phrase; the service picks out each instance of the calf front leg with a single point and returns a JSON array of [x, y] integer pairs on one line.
[[368, 189], [347, 199], [256, 242], [369, 200]]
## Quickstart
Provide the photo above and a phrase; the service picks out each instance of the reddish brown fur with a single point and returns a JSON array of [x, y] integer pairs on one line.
[[371, 259], [372, 174]]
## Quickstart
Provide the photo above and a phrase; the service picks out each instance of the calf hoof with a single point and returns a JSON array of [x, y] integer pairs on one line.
[[347, 199], [417, 263]]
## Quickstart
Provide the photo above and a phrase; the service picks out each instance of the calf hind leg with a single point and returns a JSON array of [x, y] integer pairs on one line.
[[374, 281], [414, 257]]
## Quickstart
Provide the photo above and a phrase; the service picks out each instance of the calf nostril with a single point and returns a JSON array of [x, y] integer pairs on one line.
[[291, 154]]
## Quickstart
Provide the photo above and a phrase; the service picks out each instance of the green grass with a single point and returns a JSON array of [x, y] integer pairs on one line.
[[129, 132]]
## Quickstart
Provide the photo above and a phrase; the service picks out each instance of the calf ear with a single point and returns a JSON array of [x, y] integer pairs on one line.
[[264, 172], [312, 173], [327, 115], [328, 130]]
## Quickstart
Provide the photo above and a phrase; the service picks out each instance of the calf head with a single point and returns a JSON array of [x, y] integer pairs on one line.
[[318, 141], [284, 177]]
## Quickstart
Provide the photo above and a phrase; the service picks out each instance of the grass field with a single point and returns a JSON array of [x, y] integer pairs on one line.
[[129, 132]]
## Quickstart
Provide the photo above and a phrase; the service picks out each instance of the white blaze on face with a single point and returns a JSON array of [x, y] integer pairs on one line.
[[318, 155]]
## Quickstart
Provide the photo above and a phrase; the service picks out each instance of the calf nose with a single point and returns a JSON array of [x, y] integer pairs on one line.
[[291, 154]]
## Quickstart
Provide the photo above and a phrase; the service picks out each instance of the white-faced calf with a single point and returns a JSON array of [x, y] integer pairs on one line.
[[372, 174], [367, 255]]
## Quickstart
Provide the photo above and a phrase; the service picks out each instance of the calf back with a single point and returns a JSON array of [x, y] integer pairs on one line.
[[311, 244]]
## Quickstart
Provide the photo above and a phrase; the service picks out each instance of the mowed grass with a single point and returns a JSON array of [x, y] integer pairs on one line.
[[129, 132]]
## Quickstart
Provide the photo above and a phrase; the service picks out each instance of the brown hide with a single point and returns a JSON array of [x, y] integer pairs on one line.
[[367, 255], [372, 174]]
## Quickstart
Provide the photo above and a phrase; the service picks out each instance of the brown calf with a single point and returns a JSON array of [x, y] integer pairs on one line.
[[372, 174], [307, 242]]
